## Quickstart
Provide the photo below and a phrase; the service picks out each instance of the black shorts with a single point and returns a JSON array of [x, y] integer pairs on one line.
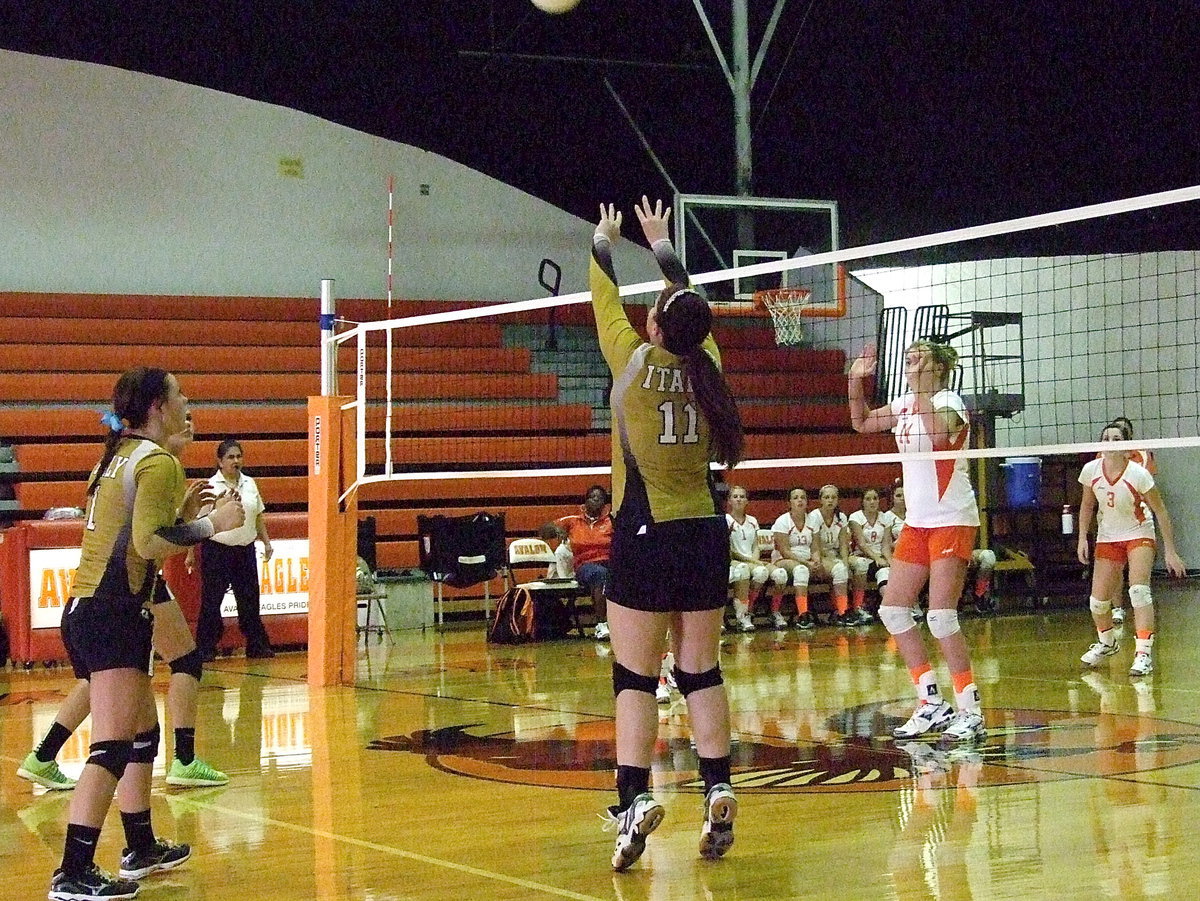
[[103, 633], [670, 567]]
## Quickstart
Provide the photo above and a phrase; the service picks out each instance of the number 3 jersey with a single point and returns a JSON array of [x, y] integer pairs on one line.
[[1123, 512], [660, 439]]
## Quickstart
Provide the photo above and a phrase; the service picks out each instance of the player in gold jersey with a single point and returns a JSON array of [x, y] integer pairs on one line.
[[134, 499], [672, 415]]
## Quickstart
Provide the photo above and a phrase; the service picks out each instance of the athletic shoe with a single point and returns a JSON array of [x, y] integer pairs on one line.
[[918, 612], [778, 621], [966, 725], [806, 621], [846, 620], [196, 774], [1142, 665], [94, 885], [862, 617], [1098, 651], [745, 624], [1118, 615], [600, 632], [928, 717], [47, 774], [662, 694], [633, 825], [716, 835], [162, 855]]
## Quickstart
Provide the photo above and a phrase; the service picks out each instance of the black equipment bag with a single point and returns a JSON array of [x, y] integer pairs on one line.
[[461, 550]]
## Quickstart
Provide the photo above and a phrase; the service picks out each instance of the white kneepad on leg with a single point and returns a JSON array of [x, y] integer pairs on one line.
[[942, 623], [896, 620], [861, 565], [1139, 596], [739, 572], [800, 576], [839, 574], [779, 576], [882, 575], [1100, 607], [760, 574], [986, 558]]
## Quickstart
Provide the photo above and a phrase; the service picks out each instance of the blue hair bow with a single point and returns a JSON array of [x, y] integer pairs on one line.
[[112, 420]]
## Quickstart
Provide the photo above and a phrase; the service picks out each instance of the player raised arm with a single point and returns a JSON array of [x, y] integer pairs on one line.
[[863, 420]]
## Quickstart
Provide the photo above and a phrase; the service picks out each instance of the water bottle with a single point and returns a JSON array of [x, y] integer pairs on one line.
[[1068, 520]]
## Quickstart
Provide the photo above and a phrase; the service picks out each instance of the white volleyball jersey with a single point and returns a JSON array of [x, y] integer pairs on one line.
[[743, 538], [831, 534], [937, 493], [872, 533], [799, 539], [1126, 516]]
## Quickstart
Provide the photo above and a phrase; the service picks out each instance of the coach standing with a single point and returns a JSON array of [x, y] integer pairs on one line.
[[228, 560]]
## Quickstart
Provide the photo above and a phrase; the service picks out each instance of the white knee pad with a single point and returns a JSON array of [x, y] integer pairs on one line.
[[800, 576], [760, 574], [1100, 607], [882, 575], [1139, 596], [861, 565], [779, 576], [896, 620], [739, 572], [942, 623], [839, 573], [985, 558]]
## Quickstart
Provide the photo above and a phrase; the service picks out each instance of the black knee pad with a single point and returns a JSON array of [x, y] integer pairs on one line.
[[145, 745], [626, 679], [191, 664], [111, 755], [689, 682]]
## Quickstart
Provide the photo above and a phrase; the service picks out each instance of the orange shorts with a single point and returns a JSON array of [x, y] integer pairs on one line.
[[921, 546], [1118, 551]]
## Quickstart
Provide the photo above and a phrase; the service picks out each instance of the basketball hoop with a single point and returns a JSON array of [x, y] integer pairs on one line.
[[786, 306]]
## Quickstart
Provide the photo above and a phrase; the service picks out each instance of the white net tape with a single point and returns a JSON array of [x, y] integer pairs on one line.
[[786, 306]]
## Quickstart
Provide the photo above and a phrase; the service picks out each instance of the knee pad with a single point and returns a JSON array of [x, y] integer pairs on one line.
[[760, 575], [191, 664], [1139, 596], [111, 755], [627, 680], [779, 576], [985, 558], [739, 572], [942, 623], [800, 576], [839, 574], [897, 620], [689, 682], [861, 565], [881, 576], [145, 745], [1099, 606]]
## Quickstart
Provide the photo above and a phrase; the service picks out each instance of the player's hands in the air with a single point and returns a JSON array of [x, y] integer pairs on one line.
[[610, 222], [654, 219], [864, 364]]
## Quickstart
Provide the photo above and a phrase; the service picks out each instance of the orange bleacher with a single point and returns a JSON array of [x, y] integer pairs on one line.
[[58, 371]]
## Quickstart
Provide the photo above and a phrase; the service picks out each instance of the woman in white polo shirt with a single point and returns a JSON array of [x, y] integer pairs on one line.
[[227, 560]]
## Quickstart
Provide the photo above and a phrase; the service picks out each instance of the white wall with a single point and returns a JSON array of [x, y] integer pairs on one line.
[[117, 182]]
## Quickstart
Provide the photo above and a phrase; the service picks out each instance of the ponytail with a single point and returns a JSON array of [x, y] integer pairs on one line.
[[685, 320], [134, 394]]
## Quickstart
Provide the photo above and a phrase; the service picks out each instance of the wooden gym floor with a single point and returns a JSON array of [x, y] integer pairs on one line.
[[457, 771]]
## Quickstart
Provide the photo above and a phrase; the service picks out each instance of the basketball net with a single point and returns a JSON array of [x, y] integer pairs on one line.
[[786, 306]]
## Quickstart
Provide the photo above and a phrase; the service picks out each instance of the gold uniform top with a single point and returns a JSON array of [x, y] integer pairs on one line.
[[660, 438], [139, 494]]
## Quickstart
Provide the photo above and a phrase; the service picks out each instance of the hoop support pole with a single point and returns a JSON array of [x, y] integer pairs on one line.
[[332, 543]]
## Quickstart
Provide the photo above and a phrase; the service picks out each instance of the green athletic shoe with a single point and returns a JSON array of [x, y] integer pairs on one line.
[[45, 774], [196, 774]]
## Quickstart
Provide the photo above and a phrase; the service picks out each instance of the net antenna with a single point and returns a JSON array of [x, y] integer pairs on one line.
[[786, 306]]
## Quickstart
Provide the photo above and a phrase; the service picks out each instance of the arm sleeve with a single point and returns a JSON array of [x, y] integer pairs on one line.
[[187, 533], [618, 338]]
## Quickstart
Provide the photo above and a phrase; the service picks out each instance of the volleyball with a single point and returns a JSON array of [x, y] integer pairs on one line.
[[555, 7]]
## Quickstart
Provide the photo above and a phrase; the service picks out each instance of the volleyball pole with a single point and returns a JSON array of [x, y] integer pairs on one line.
[[332, 519]]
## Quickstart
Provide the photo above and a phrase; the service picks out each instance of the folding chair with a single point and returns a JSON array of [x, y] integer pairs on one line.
[[524, 553]]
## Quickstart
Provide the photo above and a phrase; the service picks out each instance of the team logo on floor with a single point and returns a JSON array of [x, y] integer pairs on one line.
[[850, 751]]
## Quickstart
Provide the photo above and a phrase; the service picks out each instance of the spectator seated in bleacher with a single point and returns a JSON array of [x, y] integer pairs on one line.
[[588, 537]]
